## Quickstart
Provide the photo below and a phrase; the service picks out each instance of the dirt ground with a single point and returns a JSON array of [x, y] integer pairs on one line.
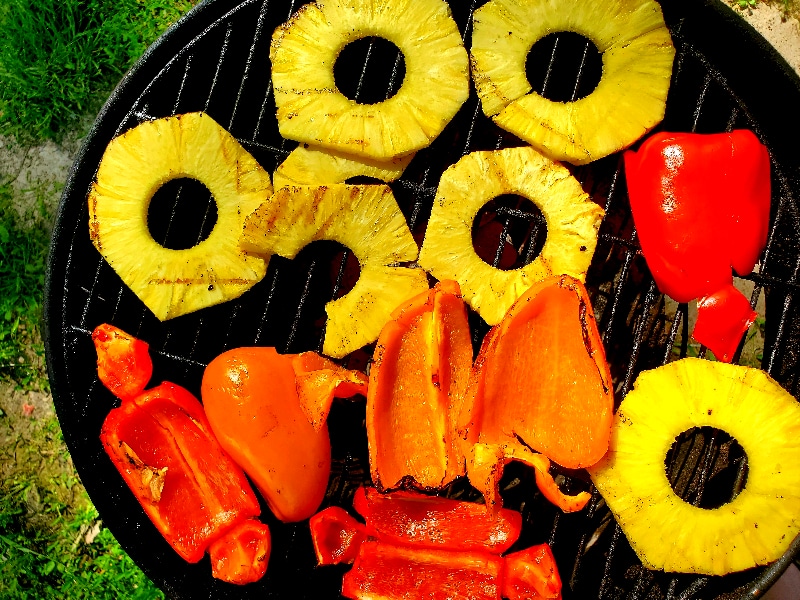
[[28, 417]]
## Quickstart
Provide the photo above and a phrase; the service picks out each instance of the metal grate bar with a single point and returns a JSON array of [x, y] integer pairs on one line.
[[272, 290], [580, 71], [222, 53], [185, 76], [701, 100], [262, 14], [303, 298], [549, 68]]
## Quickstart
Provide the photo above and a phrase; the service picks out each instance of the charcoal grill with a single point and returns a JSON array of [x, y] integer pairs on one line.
[[216, 60]]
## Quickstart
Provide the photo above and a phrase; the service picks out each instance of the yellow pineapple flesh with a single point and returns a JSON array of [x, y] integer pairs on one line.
[[637, 54], [310, 107], [367, 220], [666, 532], [134, 166], [309, 165], [572, 224]]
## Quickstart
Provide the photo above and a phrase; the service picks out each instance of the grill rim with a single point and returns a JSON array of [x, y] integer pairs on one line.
[[211, 12]]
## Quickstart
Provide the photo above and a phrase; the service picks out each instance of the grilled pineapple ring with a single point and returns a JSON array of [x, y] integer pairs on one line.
[[572, 224], [311, 109], [368, 221], [666, 532], [133, 167], [307, 165], [637, 54]]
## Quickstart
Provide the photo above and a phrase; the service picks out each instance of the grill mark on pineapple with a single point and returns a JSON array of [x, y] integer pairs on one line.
[[201, 281], [94, 225]]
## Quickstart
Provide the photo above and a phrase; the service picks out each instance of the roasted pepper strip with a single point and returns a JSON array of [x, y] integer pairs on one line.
[[251, 399], [410, 518], [541, 378], [241, 555], [336, 536], [387, 571], [163, 446], [418, 384], [701, 207]]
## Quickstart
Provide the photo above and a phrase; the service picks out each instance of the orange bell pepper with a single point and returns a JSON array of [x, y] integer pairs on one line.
[[418, 382], [162, 444], [542, 377], [319, 380], [541, 384], [252, 402]]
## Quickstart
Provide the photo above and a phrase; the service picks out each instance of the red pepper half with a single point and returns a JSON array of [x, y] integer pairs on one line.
[[415, 519], [701, 207], [388, 571], [162, 444]]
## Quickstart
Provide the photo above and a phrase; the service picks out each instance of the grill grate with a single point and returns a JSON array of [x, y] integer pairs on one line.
[[216, 60]]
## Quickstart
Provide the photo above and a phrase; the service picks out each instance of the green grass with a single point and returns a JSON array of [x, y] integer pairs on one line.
[[52, 543], [23, 251], [59, 59]]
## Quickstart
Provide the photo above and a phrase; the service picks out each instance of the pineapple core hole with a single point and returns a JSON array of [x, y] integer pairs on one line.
[[509, 232], [369, 70], [706, 467], [564, 66], [182, 213]]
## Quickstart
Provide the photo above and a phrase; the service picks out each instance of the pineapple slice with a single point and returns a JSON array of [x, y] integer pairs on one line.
[[637, 54], [133, 167], [307, 165], [572, 224], [310, 107], [368, 221], [666, 532]]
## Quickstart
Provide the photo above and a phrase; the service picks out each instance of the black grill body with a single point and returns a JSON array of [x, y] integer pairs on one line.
[[217, 59]]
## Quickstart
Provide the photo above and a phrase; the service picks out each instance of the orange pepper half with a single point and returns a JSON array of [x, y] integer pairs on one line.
[[542, 378], [418, 383], [541, 385]]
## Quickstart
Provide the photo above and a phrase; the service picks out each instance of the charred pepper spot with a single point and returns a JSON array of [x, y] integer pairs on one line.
[[151, 479]]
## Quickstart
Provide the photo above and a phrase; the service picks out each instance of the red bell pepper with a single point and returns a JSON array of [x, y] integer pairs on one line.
[[415, 519], [532, 573], [123, 362], [700, 204], [336, 536], [242, 554], [388, 571], [418, 547], [162, 444]]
